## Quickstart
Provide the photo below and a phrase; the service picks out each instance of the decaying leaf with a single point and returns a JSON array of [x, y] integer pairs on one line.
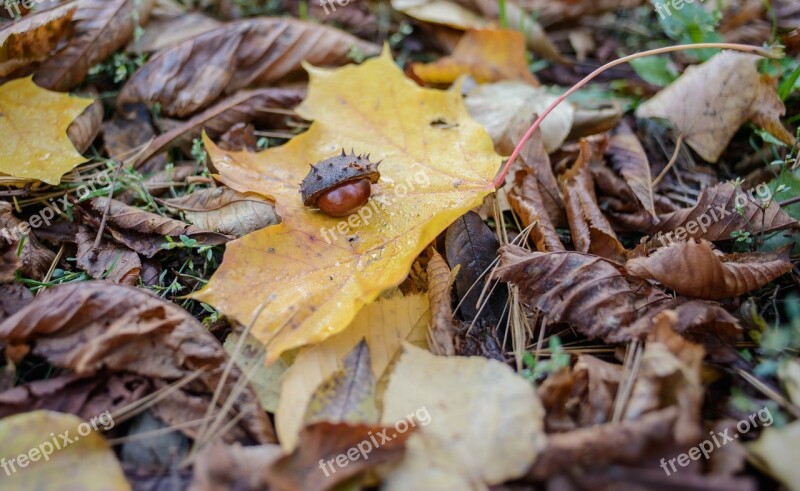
[[225, 211], [488, 55], [403, 319], [86, 463], [591, 230], [110, 261], [669, 374], [318, 463], [503, 108], [252, 52], [102, 27], [266, 380], [86, 127], [243, 107], [629, 159], [442, 330], [220, 467], [312, 272], [709, 103], [720, 211], [477, 422], [693, 269], [35, 122], [32, 38], [144, 232], [91, 326], [36, 259], [348, 395]]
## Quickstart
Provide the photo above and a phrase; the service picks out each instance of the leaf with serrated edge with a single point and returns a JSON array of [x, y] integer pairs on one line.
[[307, 282]]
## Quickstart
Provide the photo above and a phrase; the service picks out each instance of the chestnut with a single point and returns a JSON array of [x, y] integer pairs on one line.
[[340, 185]]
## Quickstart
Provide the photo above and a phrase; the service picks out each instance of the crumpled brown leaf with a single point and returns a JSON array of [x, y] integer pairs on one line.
[[709, 103], [102, 27], [714, 217], [329, 442], [597, 298], [242, 107], [628, 158], [36, 258], [224, 210], [110, 261], [442, 329], [693, 269], [32, 38], [591, 230], [253, 52], [143, 231], [87, 327], [669, 375], [220, 467]]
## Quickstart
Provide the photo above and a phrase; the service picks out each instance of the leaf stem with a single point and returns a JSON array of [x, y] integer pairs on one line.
[[501, 177]]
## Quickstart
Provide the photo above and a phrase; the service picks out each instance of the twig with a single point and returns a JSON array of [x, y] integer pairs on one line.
[[103, 221], [671, 162]]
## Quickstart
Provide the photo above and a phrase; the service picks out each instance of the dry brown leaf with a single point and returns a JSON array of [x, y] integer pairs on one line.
[[224, 210], [102, 27], [442, 329], [110, 261], [36, 258], [709, 103], [220, 467], [13, 297], [244, 106], [34, 37], [591, 231], [92, 326], [693, 269], [716, 216], [585, 291], [669, 375], [624, 442], [317, 464], [628, 158], [550, 12], [489, 55], [86, 127], [144, 232], [10, 262], [255, 52], [164, 30]]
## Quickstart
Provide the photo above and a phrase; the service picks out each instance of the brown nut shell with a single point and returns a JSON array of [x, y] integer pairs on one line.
[[333, 172]]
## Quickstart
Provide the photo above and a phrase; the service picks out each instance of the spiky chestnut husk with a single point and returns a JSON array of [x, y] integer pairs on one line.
[[339, 185]]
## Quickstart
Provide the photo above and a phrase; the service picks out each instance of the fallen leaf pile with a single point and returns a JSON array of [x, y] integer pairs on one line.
[[615, 307]]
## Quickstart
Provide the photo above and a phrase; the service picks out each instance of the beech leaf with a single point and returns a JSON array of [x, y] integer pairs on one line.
[[709, 102], [32, 38], [693, 269], [311, 278]]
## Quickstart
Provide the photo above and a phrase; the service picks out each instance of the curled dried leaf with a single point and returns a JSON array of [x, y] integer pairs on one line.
[[693, 269]]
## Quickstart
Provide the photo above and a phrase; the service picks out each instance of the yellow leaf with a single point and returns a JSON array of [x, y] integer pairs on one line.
[[477, 422], [34, 122], [488, 55], [400, 319], [775, 452], [81, 461], [305, 279]]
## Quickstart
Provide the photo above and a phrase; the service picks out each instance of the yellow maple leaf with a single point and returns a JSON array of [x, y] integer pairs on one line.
[[34, 122], [488, 55], [306, 278]]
